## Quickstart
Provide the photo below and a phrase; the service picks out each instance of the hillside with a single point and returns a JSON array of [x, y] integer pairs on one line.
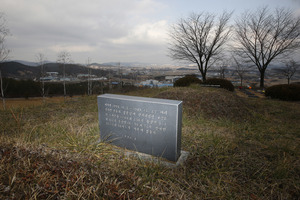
[[240, 148]]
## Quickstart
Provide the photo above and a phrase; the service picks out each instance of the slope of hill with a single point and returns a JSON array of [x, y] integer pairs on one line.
[[51, 151]]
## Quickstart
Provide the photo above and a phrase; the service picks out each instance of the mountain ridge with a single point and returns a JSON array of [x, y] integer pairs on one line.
[[17, 70]]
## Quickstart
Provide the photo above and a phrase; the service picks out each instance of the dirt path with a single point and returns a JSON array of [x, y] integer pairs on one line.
[[247, 93]]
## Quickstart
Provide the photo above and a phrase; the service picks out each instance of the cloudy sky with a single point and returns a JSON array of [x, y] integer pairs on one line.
[[107, 30]]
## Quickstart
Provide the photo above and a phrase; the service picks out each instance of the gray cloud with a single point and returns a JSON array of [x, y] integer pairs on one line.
[[88, 27], [114, 30]]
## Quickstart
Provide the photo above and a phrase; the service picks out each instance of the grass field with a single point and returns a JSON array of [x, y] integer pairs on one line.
[[29, 102], [240, 148]]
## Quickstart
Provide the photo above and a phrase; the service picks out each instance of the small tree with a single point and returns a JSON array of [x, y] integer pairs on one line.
[[41, 61], [64, 58], [262, 36], [4, 32], [199, 39], [120, 75], [240, 68], [222, 68], [290, 69], [2, 91], [89, 91]]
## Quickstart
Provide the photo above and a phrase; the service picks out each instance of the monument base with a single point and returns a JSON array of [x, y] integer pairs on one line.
[[158, 160]]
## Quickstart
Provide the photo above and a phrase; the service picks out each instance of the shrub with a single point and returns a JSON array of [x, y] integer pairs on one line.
[[187, 81], [20, 88], [284, 92], [222, 82]]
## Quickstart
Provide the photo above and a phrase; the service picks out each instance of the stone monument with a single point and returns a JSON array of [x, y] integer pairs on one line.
[[148, 125]]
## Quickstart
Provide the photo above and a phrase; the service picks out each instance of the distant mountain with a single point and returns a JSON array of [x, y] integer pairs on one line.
[[185, 68], [31, 64], [18, 70], [127, 64]]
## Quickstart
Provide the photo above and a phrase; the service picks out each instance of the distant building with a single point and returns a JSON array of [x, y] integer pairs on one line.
[[99, 79], [86, 76], [149, 83], [48, 78], [166, 85], [172, 79], [154, 83], [115, 83], [65, 79], [52, 74]]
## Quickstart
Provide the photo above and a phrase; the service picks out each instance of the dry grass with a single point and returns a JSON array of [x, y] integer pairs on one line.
[[210, 102], [30, 102], [239, 149]]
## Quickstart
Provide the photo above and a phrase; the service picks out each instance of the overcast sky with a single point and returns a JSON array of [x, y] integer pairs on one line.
[[107, 30]]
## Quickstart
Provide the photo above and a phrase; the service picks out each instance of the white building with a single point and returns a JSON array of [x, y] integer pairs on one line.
[[53, 74], [150, 83]]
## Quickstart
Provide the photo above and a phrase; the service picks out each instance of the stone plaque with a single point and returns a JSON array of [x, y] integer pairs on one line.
[[147, 125]]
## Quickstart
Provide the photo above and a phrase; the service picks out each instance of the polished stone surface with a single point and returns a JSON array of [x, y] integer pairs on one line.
[[147, 125]]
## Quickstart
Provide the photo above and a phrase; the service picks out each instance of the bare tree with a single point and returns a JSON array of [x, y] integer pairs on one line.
[[240, 68], [41, 61], [4, 32], [263, 36], [199, 39], [120, 75], [64, 58], [290, 69], [222, 67], [89, 77], [2, 91]]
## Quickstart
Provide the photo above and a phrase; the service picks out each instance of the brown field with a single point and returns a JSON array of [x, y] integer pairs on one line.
[[35, 101]]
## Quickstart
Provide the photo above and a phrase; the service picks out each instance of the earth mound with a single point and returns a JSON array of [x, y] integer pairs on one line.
[[213, 103]]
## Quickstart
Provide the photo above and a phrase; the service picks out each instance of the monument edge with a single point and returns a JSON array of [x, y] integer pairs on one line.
[[141, 99]]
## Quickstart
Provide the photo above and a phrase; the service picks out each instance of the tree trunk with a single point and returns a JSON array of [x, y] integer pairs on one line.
[[2, 91], [241, 82], [43, 90], [262, 79], [65, 92], [89, 87], [203, 75], [201, 69]]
